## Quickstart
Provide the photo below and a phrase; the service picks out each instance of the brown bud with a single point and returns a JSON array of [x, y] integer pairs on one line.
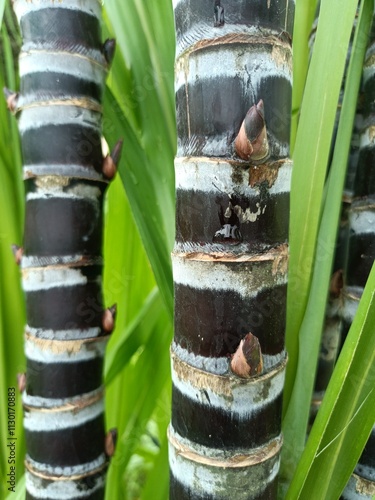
[[18, 253], [21, 381], [11, 99], [110, 161], [109, 47], [336, 284], [116, 151], [109, 168], [251, 142], [247, 361], [110, 442], [109, 317]]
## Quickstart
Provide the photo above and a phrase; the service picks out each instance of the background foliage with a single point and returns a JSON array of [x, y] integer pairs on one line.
[[139, 232]]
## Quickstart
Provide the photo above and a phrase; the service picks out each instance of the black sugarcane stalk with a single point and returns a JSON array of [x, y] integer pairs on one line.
[[63, 65], [361, 255], [233, 97]]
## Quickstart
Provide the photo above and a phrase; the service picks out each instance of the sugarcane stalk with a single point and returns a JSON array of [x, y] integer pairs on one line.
[[233, 99], [63, 65]]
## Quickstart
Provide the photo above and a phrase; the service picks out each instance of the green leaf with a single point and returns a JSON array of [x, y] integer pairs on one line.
[[20, 490], [297, 415], [157, 485], [133, 336], [304, 16], [12, 314], [2, 7], [311, 154], [140, 101], [146, 378], [142, 196], [347, 414]]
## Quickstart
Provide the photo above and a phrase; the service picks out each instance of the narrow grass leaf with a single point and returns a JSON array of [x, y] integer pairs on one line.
[[304, 16], [2, 7], [157, 484], [347, 414], [311, 153], [134, 336], [146, 378], [142, 102], [296, 419], [142, 197], [12, 314]]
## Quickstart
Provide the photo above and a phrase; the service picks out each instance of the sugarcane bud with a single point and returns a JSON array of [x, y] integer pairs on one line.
[[109, 47], [11, 99], [21, 381], [110, 442], [336, 284], [116, 151], [110, 161], [109, 317], [18, 253], [251, 142], [247, 361]]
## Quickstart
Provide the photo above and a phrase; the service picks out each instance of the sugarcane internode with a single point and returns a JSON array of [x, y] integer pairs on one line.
[[233, 99], [63, 65]]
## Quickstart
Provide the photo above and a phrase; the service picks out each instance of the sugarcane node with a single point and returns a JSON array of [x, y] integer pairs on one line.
[[18, 253], [247, 361], [21, 381], [11, 98], [109, 48], [110, 442], [109, 317], [251, 143], [336, 284]]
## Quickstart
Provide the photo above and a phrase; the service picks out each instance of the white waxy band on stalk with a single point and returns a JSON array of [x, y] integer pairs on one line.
[[225, 63], [242, 397], [190, 465], [50, 420], [367, 137], [77, 191], [66, 169], [220, 366], [64, 351], [63, 63], [45, 278], [219, 276], [362, 221], [23, 7], [60, 490], [214, 176], [34, 118], [38, 402], [64, 473], [71, 334]]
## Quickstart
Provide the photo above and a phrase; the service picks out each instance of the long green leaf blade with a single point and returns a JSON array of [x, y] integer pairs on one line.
[[304, 15], [296, 419], [142, 102], [310, 162], [134, 336], [2, 7], [139, 187], [347, 414]]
